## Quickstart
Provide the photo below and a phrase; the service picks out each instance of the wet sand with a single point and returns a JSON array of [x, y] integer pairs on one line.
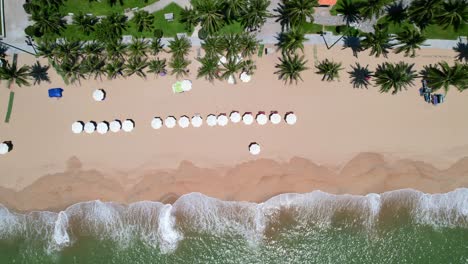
[[51, 168]]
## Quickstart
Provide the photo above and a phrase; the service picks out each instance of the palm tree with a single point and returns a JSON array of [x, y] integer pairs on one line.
[[291, 40], [67, 50], [378, 42], [462, 50], [13, 74], [295, 12], [249, 45], [256, 14], [156, 46], [85, 23], [443, 76], [233, 9], [39, 73], [157, 66], [248, 66], [71, 70], [213, 46], [373, 8], [410, 40], [143, 21], [396, 13], [48, 21], [114, 69], [136, 65], [116, 50], [111, 28], [179, 46], [179, 66], [93, 48], [138, 47], [189, 17], [209, 68], [360, 76], [424, 12], [290, 68], [453, 13], [329, 69], [350, 10], [231, 43], [46, 49], [394, 76], [94, 65], [209, 13], [231, 69]]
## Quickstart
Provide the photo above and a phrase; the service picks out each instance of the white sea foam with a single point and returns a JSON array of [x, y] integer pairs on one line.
[[163, 226]]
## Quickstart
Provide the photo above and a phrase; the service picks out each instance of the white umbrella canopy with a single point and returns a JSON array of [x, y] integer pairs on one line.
[[291, 118], [197, 121], [186, 85], [4, 148], [244, 77], [247, 118], [156, 123], [115, 126], [128, 125], [99, 95], [222, 120], [222, 60], [102, 128], [231, 79], [254, 148], [90, 127], [184, 121], [235, 117], [211, 120], [77, 127], [170, 122], [262, 119], [275, 118]]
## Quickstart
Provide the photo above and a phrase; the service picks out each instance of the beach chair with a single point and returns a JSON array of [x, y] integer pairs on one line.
[[427, 97], [55, 92], [424, 83], [435, 99], [440, 97], [421, 91]]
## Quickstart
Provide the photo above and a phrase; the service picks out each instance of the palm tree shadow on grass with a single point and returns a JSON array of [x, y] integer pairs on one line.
[[462, 51], [360, 76]]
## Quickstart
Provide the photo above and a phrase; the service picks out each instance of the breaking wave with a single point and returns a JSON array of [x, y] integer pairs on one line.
[[163, 226]]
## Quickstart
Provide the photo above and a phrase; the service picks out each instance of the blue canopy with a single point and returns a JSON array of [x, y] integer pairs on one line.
[[55, 92]]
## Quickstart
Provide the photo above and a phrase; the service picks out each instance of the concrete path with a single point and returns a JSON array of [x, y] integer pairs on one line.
[[16, 20]]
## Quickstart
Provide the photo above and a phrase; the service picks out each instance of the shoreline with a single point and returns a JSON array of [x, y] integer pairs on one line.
[[335, 123], [253, 181]]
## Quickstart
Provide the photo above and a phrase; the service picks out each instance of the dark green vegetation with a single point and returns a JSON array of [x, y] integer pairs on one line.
[[11, 100], [102, 7], [329, 69]]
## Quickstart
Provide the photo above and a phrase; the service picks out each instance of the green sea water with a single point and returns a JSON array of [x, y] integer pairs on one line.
[[398, 227]]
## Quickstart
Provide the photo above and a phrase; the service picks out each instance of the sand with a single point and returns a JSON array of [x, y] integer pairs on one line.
[[406, 143]]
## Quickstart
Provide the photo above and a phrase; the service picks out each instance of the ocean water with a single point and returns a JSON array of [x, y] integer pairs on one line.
[[404, 226]]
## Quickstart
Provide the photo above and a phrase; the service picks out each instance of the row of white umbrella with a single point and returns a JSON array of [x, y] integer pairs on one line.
[[222, 120], [103, 127], [5, 147]]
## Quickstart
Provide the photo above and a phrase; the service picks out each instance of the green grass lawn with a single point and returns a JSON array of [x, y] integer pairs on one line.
[[100, 8], [312, 28], [10, 107], [232, 28], [431, 32]]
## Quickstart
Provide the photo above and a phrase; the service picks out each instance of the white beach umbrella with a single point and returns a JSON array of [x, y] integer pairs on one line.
[[128, 125], [184, 121], [115, 126], [235, 117], [186, 85], [211, 120], [156, 123], [254, 148], [291, 118], [222, 120], [90, 127], [77, 127], [262, 119], [197, 121], [244, 77], [222, 60], [102, 128], [170, 122], [275, 118], [4, 148], [247, 118], [231, 79], [99, 95]]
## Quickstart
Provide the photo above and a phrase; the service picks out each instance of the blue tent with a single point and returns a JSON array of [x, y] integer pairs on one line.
[[55, 92]]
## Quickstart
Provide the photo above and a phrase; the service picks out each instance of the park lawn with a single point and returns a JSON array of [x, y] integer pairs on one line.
[[100, 8], [170, 29], [231, 28], [312, 28], [438, 32]]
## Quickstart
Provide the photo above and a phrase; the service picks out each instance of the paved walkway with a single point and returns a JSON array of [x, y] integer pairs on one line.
[[16, 20]]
